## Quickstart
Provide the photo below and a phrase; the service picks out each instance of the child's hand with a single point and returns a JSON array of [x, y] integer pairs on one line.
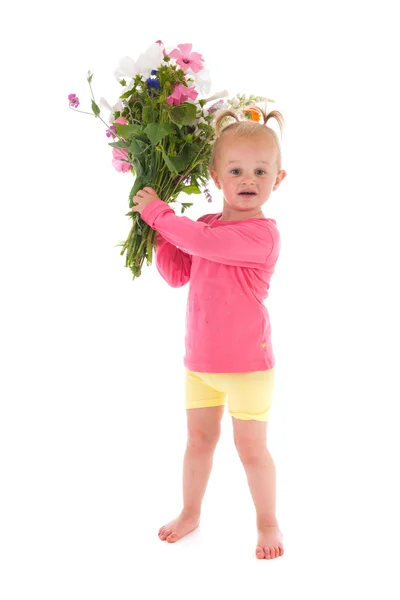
[[143, 198]]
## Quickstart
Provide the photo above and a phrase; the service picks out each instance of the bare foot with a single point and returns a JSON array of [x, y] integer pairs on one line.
[[178, 528], [270, 542]]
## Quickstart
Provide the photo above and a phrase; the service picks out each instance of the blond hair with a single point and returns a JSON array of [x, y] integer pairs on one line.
[[245, 128]]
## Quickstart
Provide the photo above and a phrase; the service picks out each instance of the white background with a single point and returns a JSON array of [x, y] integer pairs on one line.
[[92, 422]]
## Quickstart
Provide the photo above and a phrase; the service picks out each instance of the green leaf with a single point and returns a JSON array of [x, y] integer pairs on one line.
[[140, 183], [177, 114], [191, 189], [191, 113], [137, 147], [128, 131], [146, 114], [138, 167], [177, 164], [95, 108], [128, 93], [156, 131], [119, 144], [192, 150], [183, 114], [186, 205], [168, 162]]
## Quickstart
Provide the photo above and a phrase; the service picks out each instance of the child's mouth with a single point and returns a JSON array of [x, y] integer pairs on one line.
[[247, 193]]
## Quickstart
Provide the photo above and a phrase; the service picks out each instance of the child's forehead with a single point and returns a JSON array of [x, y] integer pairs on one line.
[[232, 145], [231, 138]]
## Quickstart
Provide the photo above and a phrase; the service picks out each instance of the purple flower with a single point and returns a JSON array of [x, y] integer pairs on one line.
[[155, 83], [207, 194], [216, 106], [110, 132], [154, 72], [73, 100]]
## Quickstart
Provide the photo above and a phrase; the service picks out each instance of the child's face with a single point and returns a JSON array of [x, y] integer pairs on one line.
[[246, 165]]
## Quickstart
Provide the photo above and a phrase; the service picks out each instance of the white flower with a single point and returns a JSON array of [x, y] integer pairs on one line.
[[234, 102], [197, 122], [216, 96], [149, 60], [126, 68], [202, 80], [118, 106]]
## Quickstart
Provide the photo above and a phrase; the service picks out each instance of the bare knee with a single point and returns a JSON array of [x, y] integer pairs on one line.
[[251, 454], [250, 442], [200, 440], [204, 428]]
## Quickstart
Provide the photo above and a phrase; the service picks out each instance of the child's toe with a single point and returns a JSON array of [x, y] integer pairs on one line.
[[259, 552], [165, 534]]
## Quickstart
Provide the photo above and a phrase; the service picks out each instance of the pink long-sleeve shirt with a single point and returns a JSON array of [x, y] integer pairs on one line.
[[229, 265]]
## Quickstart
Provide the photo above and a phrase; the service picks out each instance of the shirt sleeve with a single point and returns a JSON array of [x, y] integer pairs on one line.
[[173, 264], [245, 244]]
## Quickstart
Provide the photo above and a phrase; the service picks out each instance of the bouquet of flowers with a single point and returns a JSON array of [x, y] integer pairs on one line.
[[162, 131]]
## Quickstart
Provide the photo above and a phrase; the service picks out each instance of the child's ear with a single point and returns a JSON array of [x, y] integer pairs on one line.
[[215, 179]]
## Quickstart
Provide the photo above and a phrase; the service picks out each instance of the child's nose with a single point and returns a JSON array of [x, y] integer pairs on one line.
[[248, 177]]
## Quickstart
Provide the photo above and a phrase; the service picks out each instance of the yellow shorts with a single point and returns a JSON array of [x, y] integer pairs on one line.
[[249, 394]]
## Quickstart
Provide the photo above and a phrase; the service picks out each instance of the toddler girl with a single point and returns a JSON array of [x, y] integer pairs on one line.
[[229, 259]]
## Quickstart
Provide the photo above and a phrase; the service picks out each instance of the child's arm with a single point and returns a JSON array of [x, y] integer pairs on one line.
[[172, 263], [250, 243]]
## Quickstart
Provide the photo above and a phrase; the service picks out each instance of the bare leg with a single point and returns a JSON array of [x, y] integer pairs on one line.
[[204, 428], [250, 441]]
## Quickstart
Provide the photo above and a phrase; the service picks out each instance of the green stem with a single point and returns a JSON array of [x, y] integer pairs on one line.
[[91, 91], [139, 246], [82, 111]]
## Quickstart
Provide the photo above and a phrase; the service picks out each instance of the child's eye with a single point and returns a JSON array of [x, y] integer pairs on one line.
[[258, 171]]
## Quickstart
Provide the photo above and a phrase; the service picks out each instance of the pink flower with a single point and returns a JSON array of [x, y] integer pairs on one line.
[[186, 58], [181, 93], [121, 120], [73, 100], [119, 162]]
